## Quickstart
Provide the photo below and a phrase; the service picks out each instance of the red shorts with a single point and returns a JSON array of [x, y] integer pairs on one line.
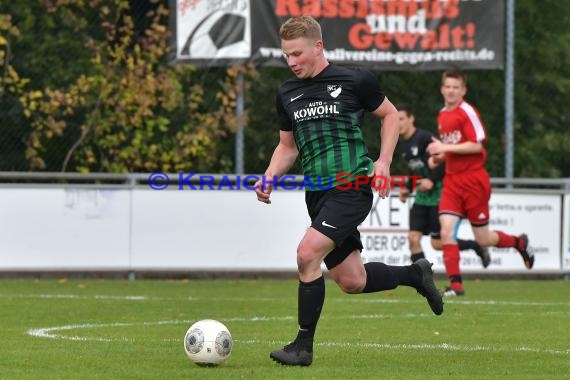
[[467, 196]]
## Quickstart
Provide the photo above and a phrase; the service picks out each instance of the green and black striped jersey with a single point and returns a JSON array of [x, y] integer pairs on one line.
[[414, 151], [325, 114]]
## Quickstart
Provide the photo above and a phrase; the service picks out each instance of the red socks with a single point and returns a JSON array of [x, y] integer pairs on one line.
[[506, 241], [451, 262]]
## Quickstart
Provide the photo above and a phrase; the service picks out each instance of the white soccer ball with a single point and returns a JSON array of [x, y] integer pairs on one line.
[[208, 342]]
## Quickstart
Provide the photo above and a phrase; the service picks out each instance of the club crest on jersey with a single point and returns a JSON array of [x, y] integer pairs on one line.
[[414, 150], [334, 90]]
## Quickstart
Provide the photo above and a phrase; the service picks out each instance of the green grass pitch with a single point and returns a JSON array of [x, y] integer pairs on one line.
[[115, 329]]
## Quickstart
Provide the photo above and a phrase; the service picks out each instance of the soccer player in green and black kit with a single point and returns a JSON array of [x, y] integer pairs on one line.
[[321, 111], [424, 215]]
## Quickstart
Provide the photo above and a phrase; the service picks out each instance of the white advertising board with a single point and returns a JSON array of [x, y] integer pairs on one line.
[[384, 233], [566, 234], [60, 229], [225, 230], [142, 229]]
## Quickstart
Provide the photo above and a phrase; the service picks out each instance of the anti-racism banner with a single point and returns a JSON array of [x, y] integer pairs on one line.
[[378, 34]]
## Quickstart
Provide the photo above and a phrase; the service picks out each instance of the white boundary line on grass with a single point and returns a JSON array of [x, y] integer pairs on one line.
[[261, 299], [75, 296], [50, 333]]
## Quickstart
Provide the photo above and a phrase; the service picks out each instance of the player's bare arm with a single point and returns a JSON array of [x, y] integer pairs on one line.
[[389, 138], [404, 195], [283, 158], [425, 184], [469, 147]]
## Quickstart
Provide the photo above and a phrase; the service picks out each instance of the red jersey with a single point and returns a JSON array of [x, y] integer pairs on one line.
[[458, 125]]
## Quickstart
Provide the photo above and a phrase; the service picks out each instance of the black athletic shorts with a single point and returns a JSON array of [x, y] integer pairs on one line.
[[337, 214], [425, 219]]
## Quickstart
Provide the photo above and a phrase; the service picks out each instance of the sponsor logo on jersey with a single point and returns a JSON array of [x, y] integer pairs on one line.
[[316, 110], [416, 164], [451, 138]]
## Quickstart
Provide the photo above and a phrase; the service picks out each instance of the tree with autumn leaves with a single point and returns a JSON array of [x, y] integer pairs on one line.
[[117, 105], [85, 86]]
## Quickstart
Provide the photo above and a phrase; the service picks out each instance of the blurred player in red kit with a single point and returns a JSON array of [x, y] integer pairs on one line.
[[466, 185]]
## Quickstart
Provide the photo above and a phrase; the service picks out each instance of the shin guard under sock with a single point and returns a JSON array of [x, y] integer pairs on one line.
[[416, 256], [466, 244], [311, 298], [505, 240], [451, 260], [380, 276]]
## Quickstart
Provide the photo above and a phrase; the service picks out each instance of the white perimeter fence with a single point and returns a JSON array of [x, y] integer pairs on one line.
[[114, 222]]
